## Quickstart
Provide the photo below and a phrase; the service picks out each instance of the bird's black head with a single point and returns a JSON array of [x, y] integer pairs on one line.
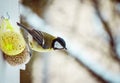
[[58, 44]]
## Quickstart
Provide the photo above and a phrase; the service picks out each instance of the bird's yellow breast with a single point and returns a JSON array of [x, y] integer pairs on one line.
[[36, 47]]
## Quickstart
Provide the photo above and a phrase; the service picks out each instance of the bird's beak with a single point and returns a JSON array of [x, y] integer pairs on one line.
[[65, 48]]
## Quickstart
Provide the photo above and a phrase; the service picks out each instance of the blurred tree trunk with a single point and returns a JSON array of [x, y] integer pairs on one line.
[[91, 28]]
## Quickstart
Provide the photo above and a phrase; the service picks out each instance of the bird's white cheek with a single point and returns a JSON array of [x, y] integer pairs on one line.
[[58, 45]]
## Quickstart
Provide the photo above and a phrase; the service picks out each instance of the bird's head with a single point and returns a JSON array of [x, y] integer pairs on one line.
[[58, 44]]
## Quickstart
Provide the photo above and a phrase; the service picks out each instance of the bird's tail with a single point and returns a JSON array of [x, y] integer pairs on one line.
[[24, 27]]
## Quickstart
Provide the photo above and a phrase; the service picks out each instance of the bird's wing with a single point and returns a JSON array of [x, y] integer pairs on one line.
[[38, 36]]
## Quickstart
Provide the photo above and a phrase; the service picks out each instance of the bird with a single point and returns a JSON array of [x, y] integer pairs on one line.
[[43, 42]]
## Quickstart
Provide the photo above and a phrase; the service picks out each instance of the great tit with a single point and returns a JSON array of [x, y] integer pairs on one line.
[[43, 42]]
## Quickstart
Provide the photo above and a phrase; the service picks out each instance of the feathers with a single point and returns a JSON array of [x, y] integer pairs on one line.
[[42, 41], [37, 35]]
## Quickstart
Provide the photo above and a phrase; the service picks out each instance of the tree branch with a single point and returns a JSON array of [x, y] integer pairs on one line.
[[8, 73]]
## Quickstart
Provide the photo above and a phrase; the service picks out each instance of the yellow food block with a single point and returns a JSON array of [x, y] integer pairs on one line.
[[12, 43], [21, 58], [11, 40]]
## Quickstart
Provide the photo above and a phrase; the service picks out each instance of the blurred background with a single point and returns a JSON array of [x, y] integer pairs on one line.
[[91, 29]]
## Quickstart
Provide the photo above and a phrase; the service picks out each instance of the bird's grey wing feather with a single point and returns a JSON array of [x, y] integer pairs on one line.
[[38, 36]]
